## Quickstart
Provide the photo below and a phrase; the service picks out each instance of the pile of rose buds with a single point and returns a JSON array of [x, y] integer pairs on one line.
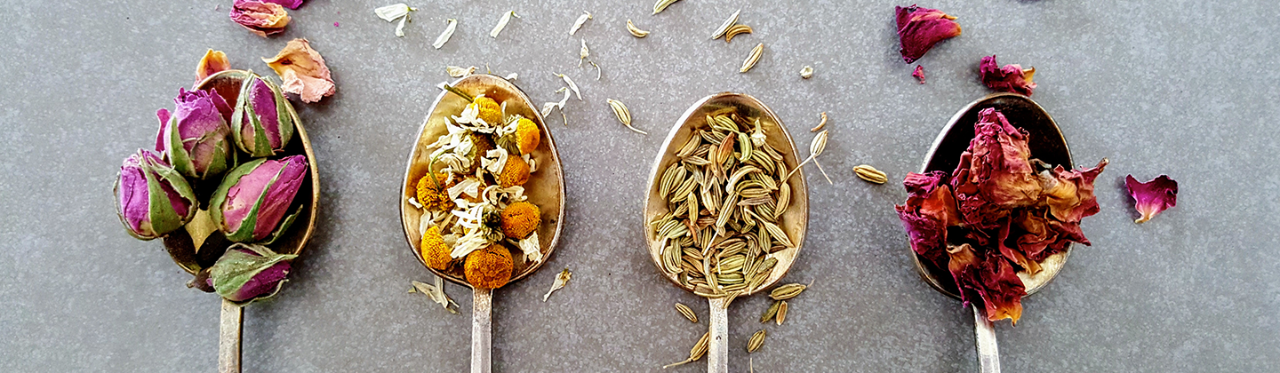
[[226, 160]]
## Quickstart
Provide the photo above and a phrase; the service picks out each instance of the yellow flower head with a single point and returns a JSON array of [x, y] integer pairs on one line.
[[520, 219], [515, 172], [489, 268], [528, 134], [434, 251], [488, 110], [434, 197]]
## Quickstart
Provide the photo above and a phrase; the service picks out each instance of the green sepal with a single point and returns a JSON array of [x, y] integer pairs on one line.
[[163, 219], [220, 197], [284, 113], [284, 225], [177, 151], [235, 268]]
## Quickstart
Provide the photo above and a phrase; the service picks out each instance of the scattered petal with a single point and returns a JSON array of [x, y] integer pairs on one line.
[[561, 280], [582, 19], [502, 23], [919, 73], [1152, 197], [303, 71], [259, 17], [393, 12], [452, 24], [435, 294], [920, 28], [1010, 78]]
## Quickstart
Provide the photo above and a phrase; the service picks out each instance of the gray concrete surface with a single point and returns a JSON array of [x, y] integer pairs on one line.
[[1187, 88]]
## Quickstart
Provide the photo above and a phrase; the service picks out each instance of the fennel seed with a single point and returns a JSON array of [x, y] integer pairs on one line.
[[787, 291], [771, 312], [636, 31], [870, 174], [735, 30], [756, 341], [753, 58], [782, 312], [624, 116], [662, 5], [687, 313], [699, 350], [725, 26]]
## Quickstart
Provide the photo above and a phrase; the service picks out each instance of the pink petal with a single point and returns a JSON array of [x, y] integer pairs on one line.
[[1010, 78], [920, 28], [261, 18], [919, 73], [303, 71], [1152, 197]]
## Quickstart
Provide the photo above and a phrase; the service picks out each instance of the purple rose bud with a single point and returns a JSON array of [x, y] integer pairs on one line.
[[261, 124], [196, 137], [152, 199], [251, 203], [249, 272]]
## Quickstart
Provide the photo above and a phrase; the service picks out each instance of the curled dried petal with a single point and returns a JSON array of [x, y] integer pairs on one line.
[[261, 18], [212, 62], [989, 279], [929, 210], [303, 71], [1152, 197], [994, 174], [1010, 78], [919, 73], [920, 28]]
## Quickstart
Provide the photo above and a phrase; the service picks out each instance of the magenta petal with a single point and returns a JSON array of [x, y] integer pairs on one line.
[[164, 116], [1152, 197], [134, 203], [259, 17], [1010, 78], [919, 73], [291, 4], [920, 28], [264, 105], [263, 283], [280, 195]]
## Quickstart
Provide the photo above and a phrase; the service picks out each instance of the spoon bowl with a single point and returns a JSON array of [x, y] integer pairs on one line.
[[545, 189], [793, 221]]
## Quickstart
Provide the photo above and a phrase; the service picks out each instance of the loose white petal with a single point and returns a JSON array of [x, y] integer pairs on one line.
[[583, 53], [572, 86], [448, 33], [581, 20], [458, 72], [400, 27], [532, 248], [512, 76], [502, 23], [392, 12]]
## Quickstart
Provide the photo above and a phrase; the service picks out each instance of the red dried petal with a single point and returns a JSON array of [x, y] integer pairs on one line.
[[929, 210], [1010, 78], [1152, 197], [1069, 194], [920, 28], [989, 279], [919, 73], [994, 175]]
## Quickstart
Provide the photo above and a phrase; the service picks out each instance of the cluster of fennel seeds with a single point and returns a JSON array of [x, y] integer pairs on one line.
[[468, 202], [724, 195]]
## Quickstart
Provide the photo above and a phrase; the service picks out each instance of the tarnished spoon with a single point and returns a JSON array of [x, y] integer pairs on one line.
[[545, 189], [794, 221], [1047, 144], [199, 244]]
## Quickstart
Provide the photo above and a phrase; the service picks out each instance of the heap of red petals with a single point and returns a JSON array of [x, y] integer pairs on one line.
[[1010, 78], [920, 28], [999, 212]]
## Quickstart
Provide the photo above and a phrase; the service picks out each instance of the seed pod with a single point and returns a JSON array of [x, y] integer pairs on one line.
[[870, 174], [753, 58], [756, 341], [624, 115], [787, 291]]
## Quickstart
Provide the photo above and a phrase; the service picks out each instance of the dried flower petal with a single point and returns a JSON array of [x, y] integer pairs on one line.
[[291, 4], [562, 279], [303, 71], [261, 18], [450, 25], [1069, 193], [920, 28], [502, 23], [1152, 197], [919, 73], [1010, 78], [435, 294], [990, 279], [994, 174], [582, 19], [212, 62], [929, 211]]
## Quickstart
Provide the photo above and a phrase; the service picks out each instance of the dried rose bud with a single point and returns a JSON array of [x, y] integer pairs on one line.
[[251, 203], [212, 62], [259, 17], [196, 136], [920, 28], [1152, 197], [303, 71], [152, 198], [1010, 78], [261, 124], [249, 272]]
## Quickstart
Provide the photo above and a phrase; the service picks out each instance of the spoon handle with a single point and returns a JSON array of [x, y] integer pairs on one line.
[[481, 331], [718, 344], [232, 326], [985, 339]]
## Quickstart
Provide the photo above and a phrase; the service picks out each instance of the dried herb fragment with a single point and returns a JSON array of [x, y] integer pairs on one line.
[[697, 352], [724, 27], [920, 28], [261, 18], [450, 25], [736, 30], [1152, 197], [772, 312], [919, 73], [753, 58], [782, 312], [502, 23], [687, 313], [459, 72], [394, 12], [1010, 78], [582, 19], [636, 31], [624, 115], [756, 341], [435, 294], [662, 5], [870, 174], [303, 71], [821, 124], [562, 279], [806, 72]]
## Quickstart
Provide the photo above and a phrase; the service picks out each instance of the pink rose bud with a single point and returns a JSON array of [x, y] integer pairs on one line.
[[261, 123], [152, 199], [251, 203], [196, 137], [249, 272]]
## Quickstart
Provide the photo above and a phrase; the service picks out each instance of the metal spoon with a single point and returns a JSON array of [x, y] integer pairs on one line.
[[545, 189], [199, 244], [794, 221], [1047, 144]]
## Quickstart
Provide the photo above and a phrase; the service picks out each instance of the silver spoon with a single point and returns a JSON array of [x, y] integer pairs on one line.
[[199, 243], [794, 221], [545, 189], [1047, 144]]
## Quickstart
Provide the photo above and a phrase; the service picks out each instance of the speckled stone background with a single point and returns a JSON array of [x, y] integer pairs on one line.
[[1187, 88]]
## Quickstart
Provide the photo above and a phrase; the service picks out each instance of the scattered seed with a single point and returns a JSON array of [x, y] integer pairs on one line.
[[448, 33], [771, 312], [756, 341], [725, 26], [806, 72], [636, 31], [582, 19], [687, 313], [787, 291], [821, 124], [699, 349], [624, 115], [662, 5], [753, 58], [502, 23], [870, 174], [782, 312], [735, 30]]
